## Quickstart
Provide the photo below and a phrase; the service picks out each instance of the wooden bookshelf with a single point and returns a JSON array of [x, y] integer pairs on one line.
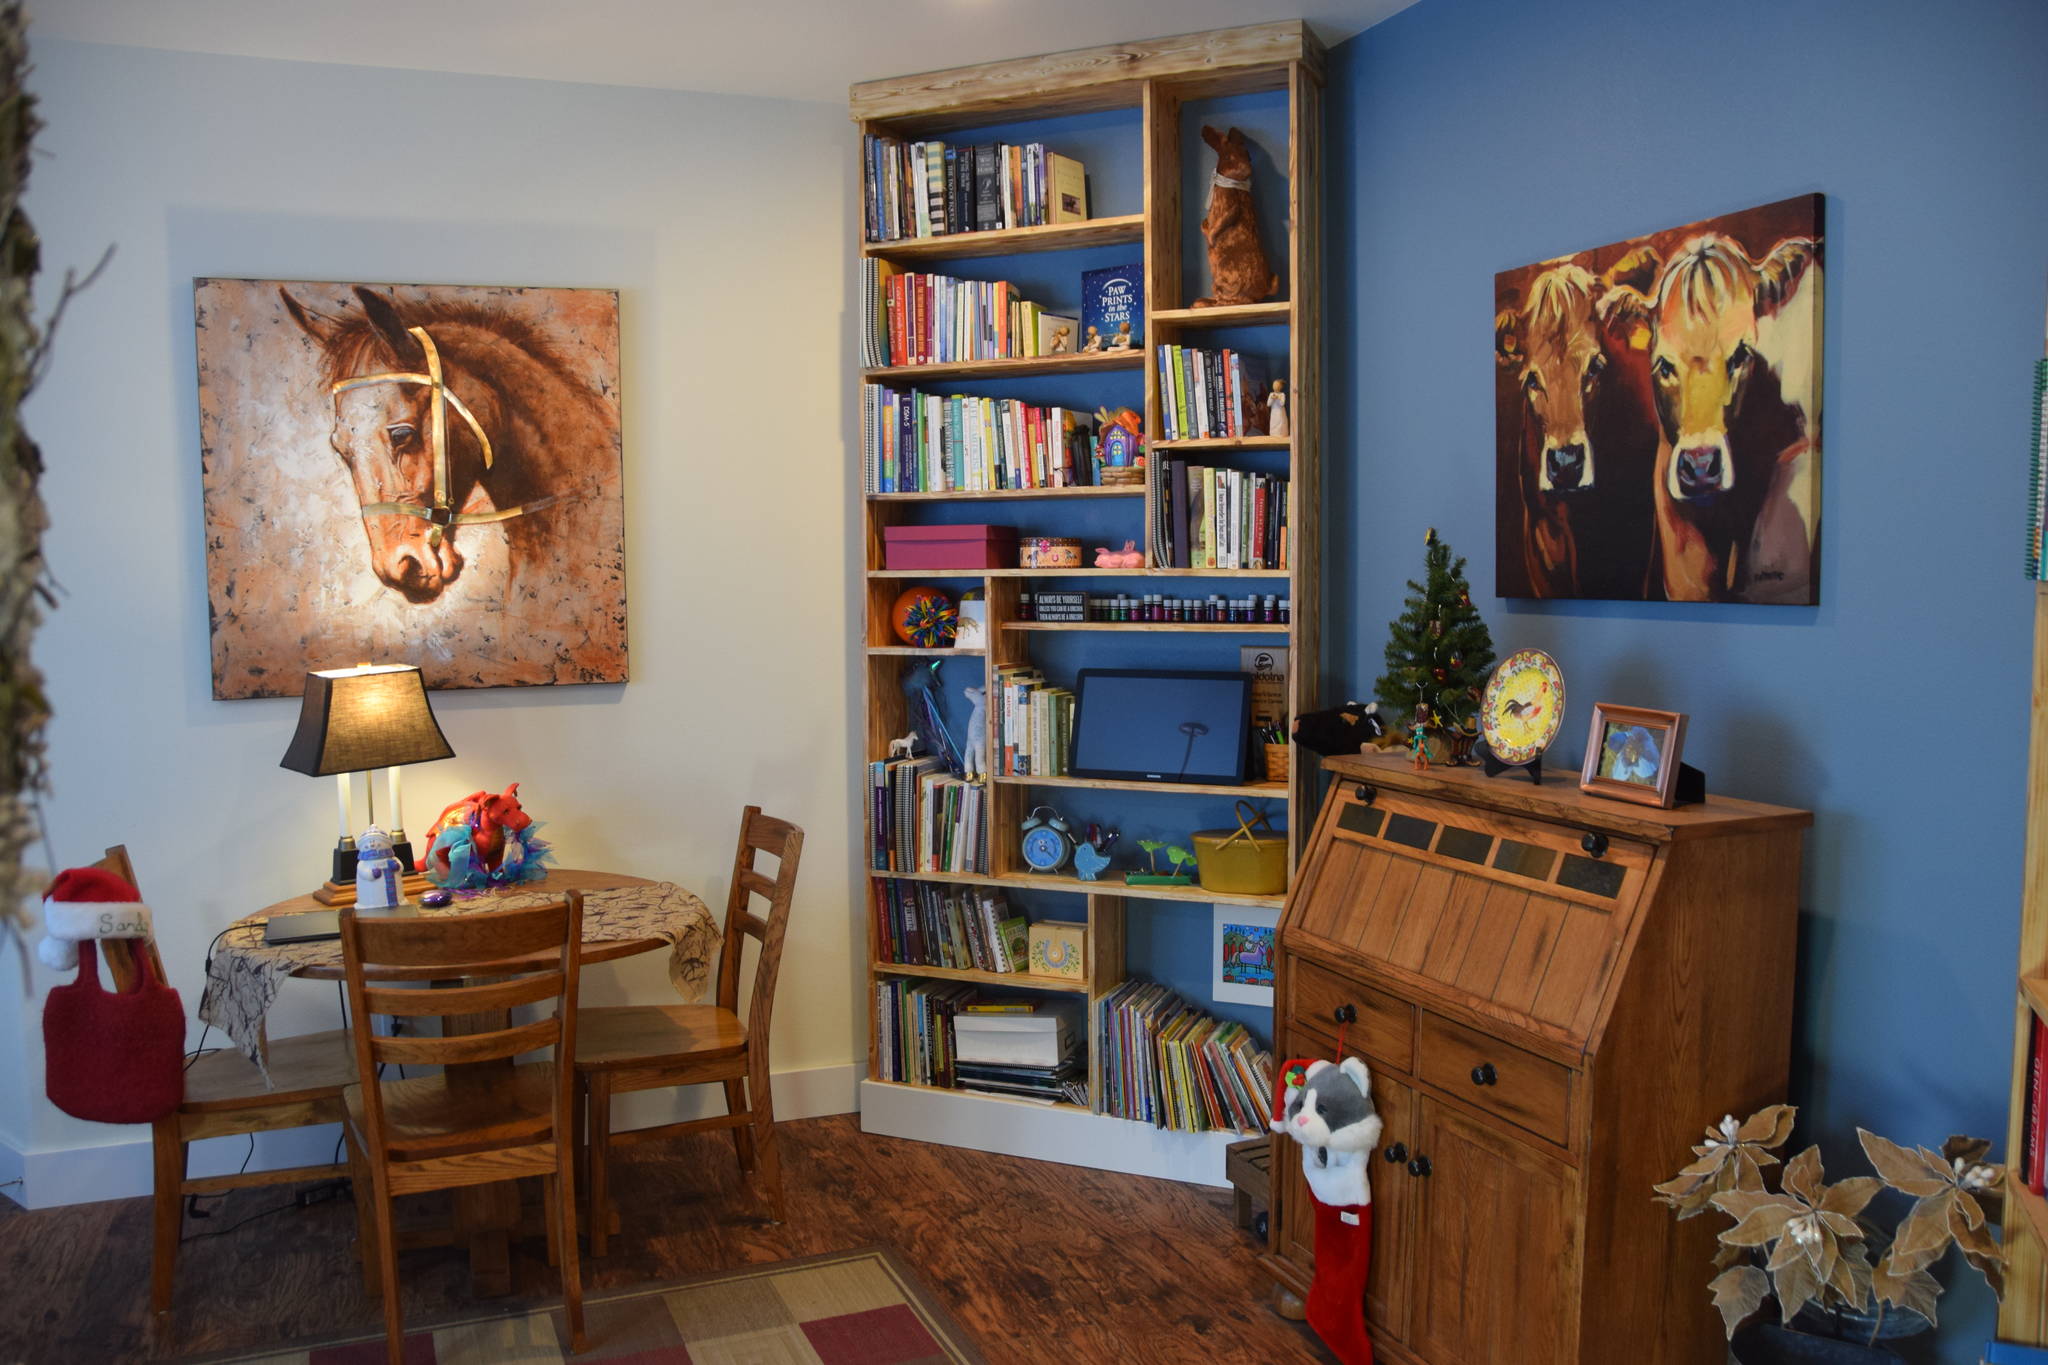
[[1161, 84]]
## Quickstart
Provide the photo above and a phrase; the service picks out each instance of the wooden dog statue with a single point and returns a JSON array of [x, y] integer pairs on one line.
[[1238, 270]]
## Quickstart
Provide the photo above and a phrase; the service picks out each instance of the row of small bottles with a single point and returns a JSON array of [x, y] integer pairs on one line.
[[1157, 608]]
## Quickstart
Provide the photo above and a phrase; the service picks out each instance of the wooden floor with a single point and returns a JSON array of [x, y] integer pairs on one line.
[[1038, 1262]]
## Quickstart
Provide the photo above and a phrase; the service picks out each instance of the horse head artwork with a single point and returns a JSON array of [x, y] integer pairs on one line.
[[1559, 352], [1719, 325]]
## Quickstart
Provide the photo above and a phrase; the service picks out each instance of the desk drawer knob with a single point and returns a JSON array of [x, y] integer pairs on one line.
[[1364, 795], [1419, 1166], [1484, 1074], [1345, 1014], [1397, 1153], [1594, 844]]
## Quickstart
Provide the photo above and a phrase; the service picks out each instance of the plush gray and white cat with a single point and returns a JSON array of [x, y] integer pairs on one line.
[[1331, 1115]]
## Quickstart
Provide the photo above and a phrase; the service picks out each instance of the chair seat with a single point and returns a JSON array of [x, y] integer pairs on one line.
[[633, 1035], [424, 1116], [311, 1066]]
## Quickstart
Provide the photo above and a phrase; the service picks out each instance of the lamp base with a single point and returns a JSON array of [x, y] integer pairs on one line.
[[344, 869], [344, 893]]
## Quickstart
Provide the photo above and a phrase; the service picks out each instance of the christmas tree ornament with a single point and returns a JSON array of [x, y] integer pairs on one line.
[[1439, 674]]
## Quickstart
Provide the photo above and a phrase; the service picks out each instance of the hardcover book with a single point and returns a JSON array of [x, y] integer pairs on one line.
[[1068, 202], [1113, 308]]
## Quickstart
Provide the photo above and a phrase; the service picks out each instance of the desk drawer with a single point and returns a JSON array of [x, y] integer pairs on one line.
[[1384, 1025], [1522, 1088]]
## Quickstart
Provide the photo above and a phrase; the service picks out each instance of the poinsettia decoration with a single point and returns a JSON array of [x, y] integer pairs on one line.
[[1808, 1242]]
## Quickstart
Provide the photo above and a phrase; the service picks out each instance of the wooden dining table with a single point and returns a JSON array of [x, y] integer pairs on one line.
[[643, 916]]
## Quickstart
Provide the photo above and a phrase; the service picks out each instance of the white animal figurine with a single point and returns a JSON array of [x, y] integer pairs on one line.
[[378, 871], [975, 761], [905, 747]]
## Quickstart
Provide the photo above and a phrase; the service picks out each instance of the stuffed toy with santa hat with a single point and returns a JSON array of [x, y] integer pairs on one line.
[[1327, 1107]]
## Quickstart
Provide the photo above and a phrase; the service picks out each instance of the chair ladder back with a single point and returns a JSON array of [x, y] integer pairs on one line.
[[763, 834], [121, 954], [541, 960]]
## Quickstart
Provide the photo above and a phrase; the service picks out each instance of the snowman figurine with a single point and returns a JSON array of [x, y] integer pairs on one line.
[[379, 874]]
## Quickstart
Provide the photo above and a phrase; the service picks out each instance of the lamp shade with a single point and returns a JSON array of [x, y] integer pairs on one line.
[[375, 716]]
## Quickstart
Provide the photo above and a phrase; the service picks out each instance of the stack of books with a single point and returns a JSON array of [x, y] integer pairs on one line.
[[932, 189], [1031, 1050], [1034, 724], [930, 442], [1164, 1062], [1208, 518], [923, 818], [924, 924], [1209, 393], [914, 1020], [918, 319]]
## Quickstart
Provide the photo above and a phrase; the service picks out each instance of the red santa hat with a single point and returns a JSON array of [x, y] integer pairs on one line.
[[88, 903]]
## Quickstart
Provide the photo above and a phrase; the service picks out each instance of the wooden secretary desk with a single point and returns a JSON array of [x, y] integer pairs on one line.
[[1555, 993]]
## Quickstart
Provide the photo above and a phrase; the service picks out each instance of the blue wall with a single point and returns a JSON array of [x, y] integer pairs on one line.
[[1468, 137]]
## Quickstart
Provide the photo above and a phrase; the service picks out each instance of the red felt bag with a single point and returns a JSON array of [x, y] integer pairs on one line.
[[114, 1056]]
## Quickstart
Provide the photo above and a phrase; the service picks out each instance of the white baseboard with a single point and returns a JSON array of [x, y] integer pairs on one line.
[[1061, 1133], [122, 1170]]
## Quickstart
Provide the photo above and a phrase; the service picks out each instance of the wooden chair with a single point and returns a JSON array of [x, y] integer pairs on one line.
[[481, 1119], [226, 1096], [654, 1047]]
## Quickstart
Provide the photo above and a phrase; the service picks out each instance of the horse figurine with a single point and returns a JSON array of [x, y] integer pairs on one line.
[[451, 418]]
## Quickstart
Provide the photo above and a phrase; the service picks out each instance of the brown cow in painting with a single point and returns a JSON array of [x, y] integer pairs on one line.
[[1719, 324], [1560, 349]]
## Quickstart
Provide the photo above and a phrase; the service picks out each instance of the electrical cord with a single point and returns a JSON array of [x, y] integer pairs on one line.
[[205, 1028]]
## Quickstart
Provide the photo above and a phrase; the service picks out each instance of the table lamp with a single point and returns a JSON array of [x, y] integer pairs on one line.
[[353, 720]]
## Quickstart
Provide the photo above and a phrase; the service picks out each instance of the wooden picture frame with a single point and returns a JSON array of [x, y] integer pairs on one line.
[[1633, 754]]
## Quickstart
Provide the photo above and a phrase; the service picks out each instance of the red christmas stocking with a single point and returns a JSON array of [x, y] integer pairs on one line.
[[1336, 1298]]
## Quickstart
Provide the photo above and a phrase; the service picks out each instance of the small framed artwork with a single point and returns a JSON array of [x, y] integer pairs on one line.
[[1241, 955], [1632, 754]]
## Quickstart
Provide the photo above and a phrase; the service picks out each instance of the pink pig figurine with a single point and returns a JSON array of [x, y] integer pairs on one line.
[[1130, 557]]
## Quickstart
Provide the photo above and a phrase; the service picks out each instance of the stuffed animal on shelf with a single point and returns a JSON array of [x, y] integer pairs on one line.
[[1130, 557], [1345, 729], [483, 840], [1238, 269], [974, 762], [1327, 1107]]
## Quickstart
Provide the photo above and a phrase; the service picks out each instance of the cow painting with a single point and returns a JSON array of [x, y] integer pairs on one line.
[[1658, 415]]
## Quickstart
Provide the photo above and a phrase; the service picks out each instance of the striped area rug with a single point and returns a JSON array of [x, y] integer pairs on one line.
[[848, 1308]]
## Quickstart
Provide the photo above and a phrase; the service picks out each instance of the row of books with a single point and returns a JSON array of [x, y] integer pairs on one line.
[[1210, 393], [2033, 1167], [2037, 485], [1034, 724], [932, 442], [1209, 518], [1164, 1062], [933, 189], [926, 924], [910, 318], [914, 1029], [924, 818]]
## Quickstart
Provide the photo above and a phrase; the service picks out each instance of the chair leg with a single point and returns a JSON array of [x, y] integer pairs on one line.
[[767, 1159], [362, 1192], [168, 1154], [381, 1214], [599, 1120], [562, 1204], [742, 1140]]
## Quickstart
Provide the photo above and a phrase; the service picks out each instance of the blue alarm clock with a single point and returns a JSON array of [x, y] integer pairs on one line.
[[1048, 840]]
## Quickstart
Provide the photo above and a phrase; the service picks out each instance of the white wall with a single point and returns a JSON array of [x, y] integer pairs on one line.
[[724, 222]]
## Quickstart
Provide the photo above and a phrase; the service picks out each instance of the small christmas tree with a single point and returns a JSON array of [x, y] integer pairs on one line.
[[1438, 654]]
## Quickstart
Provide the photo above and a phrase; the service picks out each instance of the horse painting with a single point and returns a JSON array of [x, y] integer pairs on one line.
[[428, 474], [1710, 366]]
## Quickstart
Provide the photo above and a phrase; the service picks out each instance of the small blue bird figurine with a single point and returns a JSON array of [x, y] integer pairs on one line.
[[1091, 855]]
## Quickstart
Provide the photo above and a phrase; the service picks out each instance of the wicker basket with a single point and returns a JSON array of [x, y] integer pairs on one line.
[[1278, 758]]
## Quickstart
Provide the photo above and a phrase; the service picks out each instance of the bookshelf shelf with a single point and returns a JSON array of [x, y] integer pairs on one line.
[[1021, 980], [1156, 85], [1123, 230], [1010, 494], [1108, 886], [1041, 366], [1214, 443], [914, 652], [1238, 315], [1252, 791], [1156, 627]]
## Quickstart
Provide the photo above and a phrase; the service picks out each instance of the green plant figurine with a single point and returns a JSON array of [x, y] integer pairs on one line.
[[1179, 859]]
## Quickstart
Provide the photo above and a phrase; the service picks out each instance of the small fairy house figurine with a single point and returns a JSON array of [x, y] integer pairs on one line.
[[1238, 269]]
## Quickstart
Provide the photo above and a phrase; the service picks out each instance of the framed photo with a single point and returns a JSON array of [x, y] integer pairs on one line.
[[1632, 754], [1241, 953]]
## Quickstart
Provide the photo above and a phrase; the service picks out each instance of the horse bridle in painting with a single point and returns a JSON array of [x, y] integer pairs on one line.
[[441, 513]]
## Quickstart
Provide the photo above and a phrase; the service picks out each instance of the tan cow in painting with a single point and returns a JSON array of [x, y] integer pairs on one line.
[[1716, 325], [1558, 344]]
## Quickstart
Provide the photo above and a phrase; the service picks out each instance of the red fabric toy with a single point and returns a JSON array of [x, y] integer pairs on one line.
[[1327, 1107], [109, 1056]]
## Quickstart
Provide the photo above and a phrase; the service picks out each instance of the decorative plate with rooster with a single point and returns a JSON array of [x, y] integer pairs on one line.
[[1523, 706]]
